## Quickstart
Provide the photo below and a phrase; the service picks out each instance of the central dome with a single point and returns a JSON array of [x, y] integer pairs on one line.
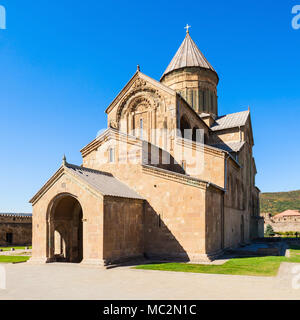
[[193, 77], [188, 55]]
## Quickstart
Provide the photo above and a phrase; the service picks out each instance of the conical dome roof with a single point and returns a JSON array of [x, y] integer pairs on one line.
[[188, 55]]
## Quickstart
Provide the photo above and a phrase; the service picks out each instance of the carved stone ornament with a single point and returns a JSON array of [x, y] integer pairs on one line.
[[139, 83], [139, 86], [113, 124]]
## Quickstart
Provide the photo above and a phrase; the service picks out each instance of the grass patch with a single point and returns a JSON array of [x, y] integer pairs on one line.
[[16, 248], [13, 259], [256, 266]]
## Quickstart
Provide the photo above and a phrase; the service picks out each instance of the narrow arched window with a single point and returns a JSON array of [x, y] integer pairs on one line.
[[141, 128], [111, 155]]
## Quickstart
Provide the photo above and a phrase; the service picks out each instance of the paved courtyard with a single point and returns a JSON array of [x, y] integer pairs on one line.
[[71, 281]]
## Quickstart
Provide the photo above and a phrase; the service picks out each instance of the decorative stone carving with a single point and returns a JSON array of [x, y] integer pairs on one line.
[[113, 124], [149, 95], [139, 104], [139, 83]]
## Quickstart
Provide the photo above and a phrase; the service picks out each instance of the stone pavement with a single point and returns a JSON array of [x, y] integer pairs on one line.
[[71, 281]]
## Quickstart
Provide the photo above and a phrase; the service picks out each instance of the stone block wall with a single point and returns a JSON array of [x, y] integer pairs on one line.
[[283, 226], [123, 229], [214, 221], [174, 214], [17, 229]]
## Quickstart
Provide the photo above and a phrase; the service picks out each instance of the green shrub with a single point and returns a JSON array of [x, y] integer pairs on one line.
[[269, 231]]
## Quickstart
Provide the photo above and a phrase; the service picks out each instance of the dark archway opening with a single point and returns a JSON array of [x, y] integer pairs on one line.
[[66, 231]]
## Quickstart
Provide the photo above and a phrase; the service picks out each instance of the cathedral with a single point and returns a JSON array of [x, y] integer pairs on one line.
[[169, 179]]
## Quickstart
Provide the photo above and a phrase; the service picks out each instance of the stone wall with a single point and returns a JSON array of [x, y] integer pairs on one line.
[[290, 224], [175, 211], [123, 229], [214, 222], [202, 162], [20, 229]]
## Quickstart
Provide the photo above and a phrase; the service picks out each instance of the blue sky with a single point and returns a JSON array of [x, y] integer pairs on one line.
[[63, 62]]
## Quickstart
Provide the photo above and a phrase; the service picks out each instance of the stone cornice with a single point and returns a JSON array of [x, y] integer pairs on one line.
[[181, 178], [237, 165], [107, 135], [58, 174], [123, 91], [47, 185], [113, 198], [194, 145], [95, 143], [207, 149]]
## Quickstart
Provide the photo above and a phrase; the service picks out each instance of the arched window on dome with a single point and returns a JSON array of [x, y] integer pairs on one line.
[[212, 106]]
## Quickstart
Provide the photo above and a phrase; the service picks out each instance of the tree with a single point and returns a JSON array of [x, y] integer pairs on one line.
[[269, 231]]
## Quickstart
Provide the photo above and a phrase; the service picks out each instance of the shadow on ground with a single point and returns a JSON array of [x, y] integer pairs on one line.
[[259, 248], [264, 247]]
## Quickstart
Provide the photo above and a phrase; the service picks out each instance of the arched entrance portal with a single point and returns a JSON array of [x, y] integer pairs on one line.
[[65, 230]]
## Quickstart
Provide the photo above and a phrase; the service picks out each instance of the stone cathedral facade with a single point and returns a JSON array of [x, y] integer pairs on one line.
[[170, 178]]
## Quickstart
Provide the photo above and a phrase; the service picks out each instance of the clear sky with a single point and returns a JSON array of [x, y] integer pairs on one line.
[[62, 63]]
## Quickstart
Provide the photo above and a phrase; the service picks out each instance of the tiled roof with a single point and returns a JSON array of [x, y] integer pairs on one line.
[[188, 55], [288, 213], [103, 182], [12, 214], [230, 121], [233, 146]]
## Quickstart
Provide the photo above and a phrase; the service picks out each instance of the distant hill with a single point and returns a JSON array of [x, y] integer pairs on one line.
[[277, 202]]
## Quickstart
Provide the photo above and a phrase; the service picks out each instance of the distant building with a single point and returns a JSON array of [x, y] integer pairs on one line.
[[288, 215], [15, 229], [288, 220]]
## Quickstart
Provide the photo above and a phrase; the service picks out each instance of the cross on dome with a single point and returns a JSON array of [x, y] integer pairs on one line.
[[187, 28]]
